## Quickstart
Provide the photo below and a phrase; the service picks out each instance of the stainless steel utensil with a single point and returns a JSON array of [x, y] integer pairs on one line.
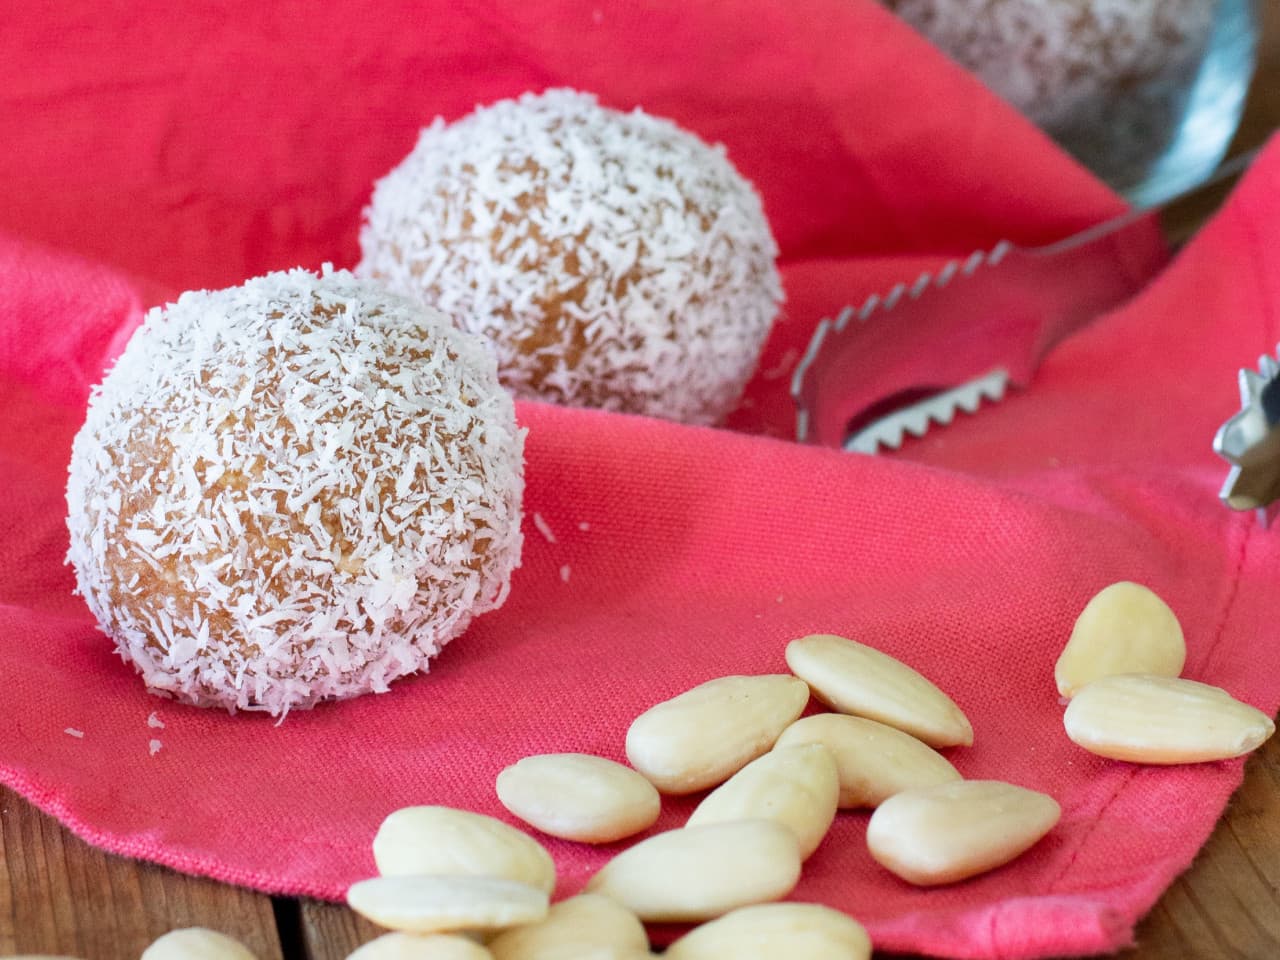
[[954, 338], [1250, 442]]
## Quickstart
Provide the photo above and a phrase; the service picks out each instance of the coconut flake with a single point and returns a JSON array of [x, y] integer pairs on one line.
[[783, 367], [564, 573], [544, 528], [155, 722], [153, 747], [73, 732]]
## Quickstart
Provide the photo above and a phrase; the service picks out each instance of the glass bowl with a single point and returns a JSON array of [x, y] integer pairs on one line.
[[1146, 93]]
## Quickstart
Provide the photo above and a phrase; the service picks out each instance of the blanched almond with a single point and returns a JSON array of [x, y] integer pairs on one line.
[[597, 952], [705, 735], [702, 872], [196, 943], [445, 904], [1165, 720], [776, 931], [873, 761], [410, 946], [573, 928], [796, 786], [1125, 628], [579, 797], [442, 840], [860, 680], [941, 834]]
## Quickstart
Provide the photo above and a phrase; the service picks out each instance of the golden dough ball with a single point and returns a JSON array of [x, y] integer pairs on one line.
[[294, 490], [614, 260]]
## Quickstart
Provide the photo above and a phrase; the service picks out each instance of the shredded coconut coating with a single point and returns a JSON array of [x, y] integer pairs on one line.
[[1105, 76], [294, 490], [615, 260]]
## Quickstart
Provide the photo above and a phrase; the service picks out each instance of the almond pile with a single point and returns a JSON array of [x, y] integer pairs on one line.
[[455, 885], [1121, 670], [773, 784]]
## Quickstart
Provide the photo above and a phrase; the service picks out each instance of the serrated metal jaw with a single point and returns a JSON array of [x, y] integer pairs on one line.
[[829, 394], [1250, 441], [915, 420]]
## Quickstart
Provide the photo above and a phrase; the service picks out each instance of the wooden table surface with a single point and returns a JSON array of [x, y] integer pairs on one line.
[[60, 896]]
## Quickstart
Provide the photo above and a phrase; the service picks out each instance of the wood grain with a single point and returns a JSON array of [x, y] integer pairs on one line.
[[58, 895], [330, 931], [1262, 109], [1228, 904]]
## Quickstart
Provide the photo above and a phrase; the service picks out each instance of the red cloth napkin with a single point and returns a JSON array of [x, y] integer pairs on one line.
[[190, 146]]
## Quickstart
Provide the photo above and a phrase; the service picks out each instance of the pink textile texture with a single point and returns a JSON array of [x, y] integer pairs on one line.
[[153, 149]]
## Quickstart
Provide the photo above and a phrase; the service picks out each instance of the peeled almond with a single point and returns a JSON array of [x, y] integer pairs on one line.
[[579, 797], [705, 735], [446, 904], [1164, 720], [197, 943], [1125, 628], [409, 946], [946, 833], [600, 951], [860, 680], [774, 931], [572, 928], [442, 840], [796, 786], [873, 761], [697, 873]]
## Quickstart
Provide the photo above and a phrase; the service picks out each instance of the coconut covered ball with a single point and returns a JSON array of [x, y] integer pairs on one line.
[[614, 260], [294, 490]]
